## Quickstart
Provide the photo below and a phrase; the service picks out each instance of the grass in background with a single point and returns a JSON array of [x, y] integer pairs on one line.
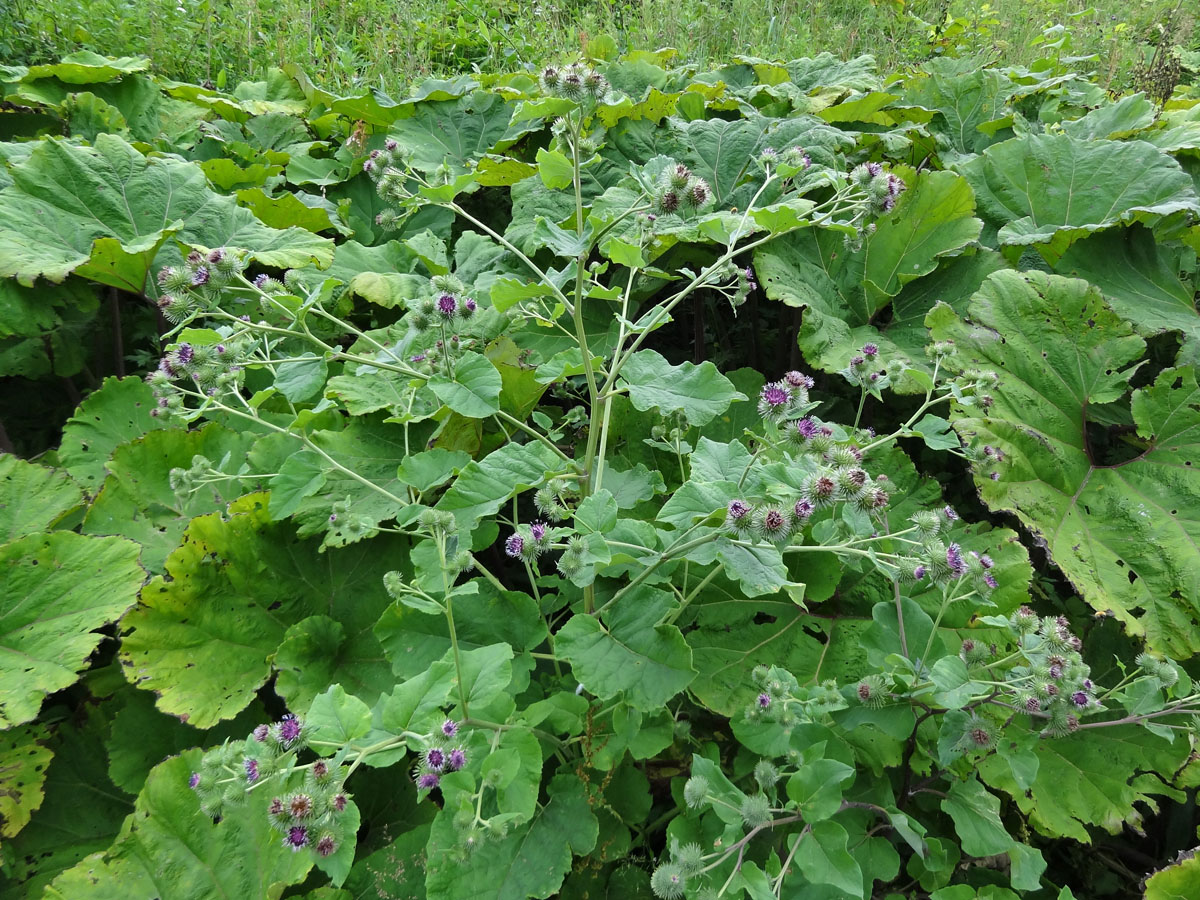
[[354, 42]]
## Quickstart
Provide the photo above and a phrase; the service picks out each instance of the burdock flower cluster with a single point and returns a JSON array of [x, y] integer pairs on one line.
[[575, 82], [1053, 682], [781, 699], [882, 188], [680, 192], [196, 285], [311, 818], [437, 319], [444, 755], [939, 561], [227, 772]]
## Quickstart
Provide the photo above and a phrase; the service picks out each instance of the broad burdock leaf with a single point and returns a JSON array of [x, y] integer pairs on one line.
[[629, 653], [976, 815], [86, 67], [700, 392], [530, 861], [1176, 882], [33, 498], [483, 485], [103, 212], [204, 636], [455, 132], [120, 411], [823, 858], [1115, 120], [1051, 190], [963, 99], [1098, 777], [1126, 531], [474, 391], [843, 291], [22, 776], [61, 588]]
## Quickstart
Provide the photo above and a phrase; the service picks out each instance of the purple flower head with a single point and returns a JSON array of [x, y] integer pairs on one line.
[[1080, 699], [369, 166], [449, 728], [1087, 684], [807, 428], [456, 760], [749, 273], [870, 351], [435, 758], [326, 845], [320, 769], [447, 305], [986, 561], [300, 806], [251, 766], [738, 509], [803, 509], [185, 353], [391, 144], [954, 559], [949, 513], [470, 305], [289, 730], [339, 802], [418, 358], [824, 487], [774, 396], [764, 700], [194, 780], [1032, 704], [990, 580], [858, 362], [215, 256], [195, 258], [919, 573], [538, 530], [995, 476], [798, 380], [514, 545], [427, 782], [260, 732], [1056, 671], [200, 276], [297, 838], [874, 169], [774, 523]]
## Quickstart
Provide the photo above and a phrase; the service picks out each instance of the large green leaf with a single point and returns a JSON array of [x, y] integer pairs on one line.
[[963, 101], [1141, 279], [483, 485], [453, 132], [137, 500], [170, 845], [1095, 777], [700, 392], [60, 587], [120, 411], [1126, 533], [629, 654], [843, 291], [22, 776], [530, 861], [33, 498], [205, 634], [104, 211], [1051, 189], [474, 391]]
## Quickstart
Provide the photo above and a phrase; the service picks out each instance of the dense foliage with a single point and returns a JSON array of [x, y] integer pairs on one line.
[[444, 545]]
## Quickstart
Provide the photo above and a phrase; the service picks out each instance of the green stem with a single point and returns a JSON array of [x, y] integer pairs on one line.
[[449, 605]]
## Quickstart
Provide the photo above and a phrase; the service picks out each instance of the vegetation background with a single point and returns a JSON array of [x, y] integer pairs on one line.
[[389, 42]]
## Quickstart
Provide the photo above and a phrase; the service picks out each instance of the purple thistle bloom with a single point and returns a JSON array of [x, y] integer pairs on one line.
[[326, 845], [1032, 704], [260, 280], [215, 256], [764, 700], [1080, 699], [949, 513], [449, 728], [874, 169], [289, 730], [798, 380], [185, 353], [738, 509], [260, 732], [995, 476], [538, 530], [428, 781], [391, 144], [200, 276], [194, 780], [297, 838], [806, 428], [447, 305], [954, 559], [858, 362], [986, 561], [470, 305], [251, 766], [990, 580], [435, 758], [775, 395], [339, 802], [803, 509], [369, 166], [870, 351], [919, 573], [514, 545], [1087, 684], [417, 358], [456, 760], [1056, 671]]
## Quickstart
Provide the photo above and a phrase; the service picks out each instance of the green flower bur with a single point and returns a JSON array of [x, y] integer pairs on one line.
[[591, 482]]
